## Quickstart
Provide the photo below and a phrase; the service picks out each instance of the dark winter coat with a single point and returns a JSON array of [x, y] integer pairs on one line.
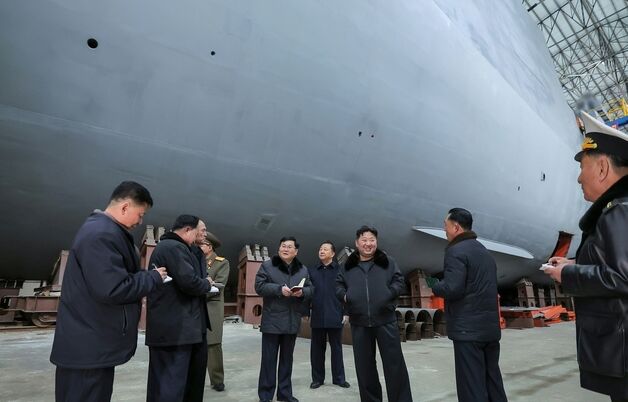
[[470, 291], [281, 314], [599, 282], [326, 310], [100, 302], [176, 314], [371, 296]]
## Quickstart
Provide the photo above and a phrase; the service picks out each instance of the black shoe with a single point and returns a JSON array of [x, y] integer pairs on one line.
[[289, 399], [219, 387], [265, 400], [315, 384], [343, 384]]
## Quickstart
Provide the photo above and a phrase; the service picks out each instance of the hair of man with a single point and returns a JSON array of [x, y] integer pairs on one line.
[[131, 190], [462, 217], [363, 229], [333, 248], [184, 221], [290, 238]]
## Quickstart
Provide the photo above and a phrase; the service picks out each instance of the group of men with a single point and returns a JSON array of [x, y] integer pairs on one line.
[[103, 284], [100, 305]]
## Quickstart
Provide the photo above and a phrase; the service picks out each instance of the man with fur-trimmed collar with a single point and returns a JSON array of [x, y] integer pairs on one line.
[[470, 291], [598, 277], [369, 284], [284, 283]]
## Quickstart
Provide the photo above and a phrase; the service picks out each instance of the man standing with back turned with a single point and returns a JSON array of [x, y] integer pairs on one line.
[[100, 303], [470, 291], [598, 277], [369, 283]]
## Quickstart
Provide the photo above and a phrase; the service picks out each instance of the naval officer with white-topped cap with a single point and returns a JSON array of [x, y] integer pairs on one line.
[[598, 276]]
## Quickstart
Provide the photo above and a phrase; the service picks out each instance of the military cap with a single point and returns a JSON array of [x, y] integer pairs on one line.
[[602, 138], [213, 240]]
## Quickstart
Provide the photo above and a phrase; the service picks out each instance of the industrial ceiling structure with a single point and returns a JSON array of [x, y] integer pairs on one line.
[[588, 40]]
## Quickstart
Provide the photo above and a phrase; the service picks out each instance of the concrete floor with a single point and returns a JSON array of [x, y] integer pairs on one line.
[[537, 365]]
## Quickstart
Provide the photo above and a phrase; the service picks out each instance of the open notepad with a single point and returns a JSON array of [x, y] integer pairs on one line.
[[299, 286]]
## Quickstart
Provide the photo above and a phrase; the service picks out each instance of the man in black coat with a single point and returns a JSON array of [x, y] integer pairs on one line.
[[369, 284], [284, 303], [176, 318], [100, 302], [598, 277], [326, 319], [470, 291]]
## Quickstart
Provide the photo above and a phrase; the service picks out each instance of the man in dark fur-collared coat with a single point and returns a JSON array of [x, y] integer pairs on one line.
[[369, 284], [284, 284], [470, 291]]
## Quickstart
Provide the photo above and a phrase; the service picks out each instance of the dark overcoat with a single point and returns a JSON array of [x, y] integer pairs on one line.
[[599, 282], [176, 314], [326, 310], [470, 291], [281, 314], [100, 302]]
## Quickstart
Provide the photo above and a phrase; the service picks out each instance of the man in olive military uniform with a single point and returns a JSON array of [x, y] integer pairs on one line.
[[218, 271], [598, 276]]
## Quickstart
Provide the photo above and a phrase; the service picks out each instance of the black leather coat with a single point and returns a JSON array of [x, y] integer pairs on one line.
[[599, 282], [371, 296]]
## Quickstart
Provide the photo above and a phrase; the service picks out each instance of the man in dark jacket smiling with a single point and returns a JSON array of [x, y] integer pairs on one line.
[[176, 318], [598, 277], [470, 291], [284, 302], [326, 319], [369, 283], [100, 303]]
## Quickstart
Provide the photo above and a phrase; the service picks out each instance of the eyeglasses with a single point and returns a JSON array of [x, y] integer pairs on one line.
[[287, 246]]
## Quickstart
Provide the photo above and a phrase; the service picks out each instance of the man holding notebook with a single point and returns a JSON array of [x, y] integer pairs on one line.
[[284, 283]]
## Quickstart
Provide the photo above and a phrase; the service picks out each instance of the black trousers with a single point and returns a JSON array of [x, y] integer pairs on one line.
[[317, 354], [83, 385], [395, 372], [478, 377], [273, 344], [177, 373]]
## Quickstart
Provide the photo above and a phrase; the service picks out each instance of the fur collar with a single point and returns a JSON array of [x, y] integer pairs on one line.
[[380, 259], [278, 262], [468, 235], [590, 218], [174, 236]]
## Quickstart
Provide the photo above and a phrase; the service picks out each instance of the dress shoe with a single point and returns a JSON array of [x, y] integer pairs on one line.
[[343, 384], [289, 399], [265, 400], [315, 384], [219, 387]]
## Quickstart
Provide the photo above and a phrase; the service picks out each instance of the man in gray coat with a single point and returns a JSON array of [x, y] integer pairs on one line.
[[470, 291], [284, 284], [598, 277]]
